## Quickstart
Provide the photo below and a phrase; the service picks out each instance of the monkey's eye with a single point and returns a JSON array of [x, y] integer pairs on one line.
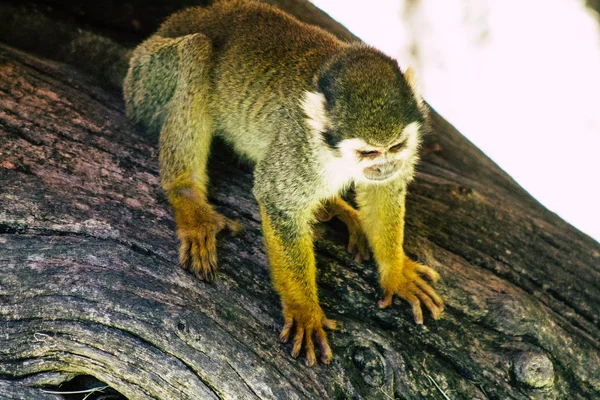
[[397, 147], [368, 153]]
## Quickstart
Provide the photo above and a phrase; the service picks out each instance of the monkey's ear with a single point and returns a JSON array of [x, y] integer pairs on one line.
[[313, 105], [411, 79]]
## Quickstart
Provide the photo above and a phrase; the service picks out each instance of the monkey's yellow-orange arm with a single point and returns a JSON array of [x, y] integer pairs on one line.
[[292, 261]]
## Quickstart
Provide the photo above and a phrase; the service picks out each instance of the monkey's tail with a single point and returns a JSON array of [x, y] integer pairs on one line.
[[31, 30]]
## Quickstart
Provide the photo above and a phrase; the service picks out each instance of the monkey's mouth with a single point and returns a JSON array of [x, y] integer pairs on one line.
[[381, 172]]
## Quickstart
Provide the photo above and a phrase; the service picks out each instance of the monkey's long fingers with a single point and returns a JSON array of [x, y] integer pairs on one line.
[[209, 254], [436, 312], [203, 257], [284, 336], [311, 358], [351, 246], [200, 254], [233, 226], [357, 245], [431, 293], [365, 252], [358, 250], [386, 301], [409, 291], [329, 323], [298, 339], [195, 259], [326, 354], [185, 248], [429, 273], [416, 307]]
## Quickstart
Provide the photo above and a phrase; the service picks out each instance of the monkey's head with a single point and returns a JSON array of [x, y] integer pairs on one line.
[[367, 113]]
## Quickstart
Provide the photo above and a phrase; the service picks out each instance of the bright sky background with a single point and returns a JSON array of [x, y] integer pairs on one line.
[[520, 79]]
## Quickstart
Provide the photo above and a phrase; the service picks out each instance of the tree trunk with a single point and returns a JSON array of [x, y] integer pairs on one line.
[[89, 281]]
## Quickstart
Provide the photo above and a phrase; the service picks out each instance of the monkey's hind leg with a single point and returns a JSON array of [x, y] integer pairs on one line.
[[357, 243], [178, 68]]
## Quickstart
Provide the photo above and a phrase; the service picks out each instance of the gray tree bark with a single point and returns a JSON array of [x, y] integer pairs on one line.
[[89, 281]]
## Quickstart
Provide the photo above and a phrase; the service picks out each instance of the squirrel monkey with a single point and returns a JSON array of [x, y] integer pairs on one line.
[[315, 115]]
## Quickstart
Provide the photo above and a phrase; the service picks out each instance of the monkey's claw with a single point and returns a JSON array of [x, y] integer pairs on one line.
[[198, 245], [307, 324], [358, 245], [408, 283]]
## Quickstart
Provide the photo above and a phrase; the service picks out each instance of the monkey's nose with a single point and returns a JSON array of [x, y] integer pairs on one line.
[[385, 169]]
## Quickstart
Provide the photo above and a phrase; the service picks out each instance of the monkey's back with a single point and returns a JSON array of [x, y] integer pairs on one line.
[[263, 59]]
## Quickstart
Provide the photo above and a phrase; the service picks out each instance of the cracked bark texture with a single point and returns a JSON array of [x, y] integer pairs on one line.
[[89, 282]]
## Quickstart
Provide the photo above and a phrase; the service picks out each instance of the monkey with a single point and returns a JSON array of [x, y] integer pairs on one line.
[[315, 115]]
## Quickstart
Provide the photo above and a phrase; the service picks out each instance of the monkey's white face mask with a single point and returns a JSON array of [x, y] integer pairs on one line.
[[355, 159], [378, 164]]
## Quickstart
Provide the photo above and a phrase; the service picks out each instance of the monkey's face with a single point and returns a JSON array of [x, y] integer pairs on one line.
[[371, 153], [376, 164]]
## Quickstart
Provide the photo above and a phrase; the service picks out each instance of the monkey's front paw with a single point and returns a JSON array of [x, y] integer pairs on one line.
[[198, 244], [408, 283], [358, 245], [308, 323]]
